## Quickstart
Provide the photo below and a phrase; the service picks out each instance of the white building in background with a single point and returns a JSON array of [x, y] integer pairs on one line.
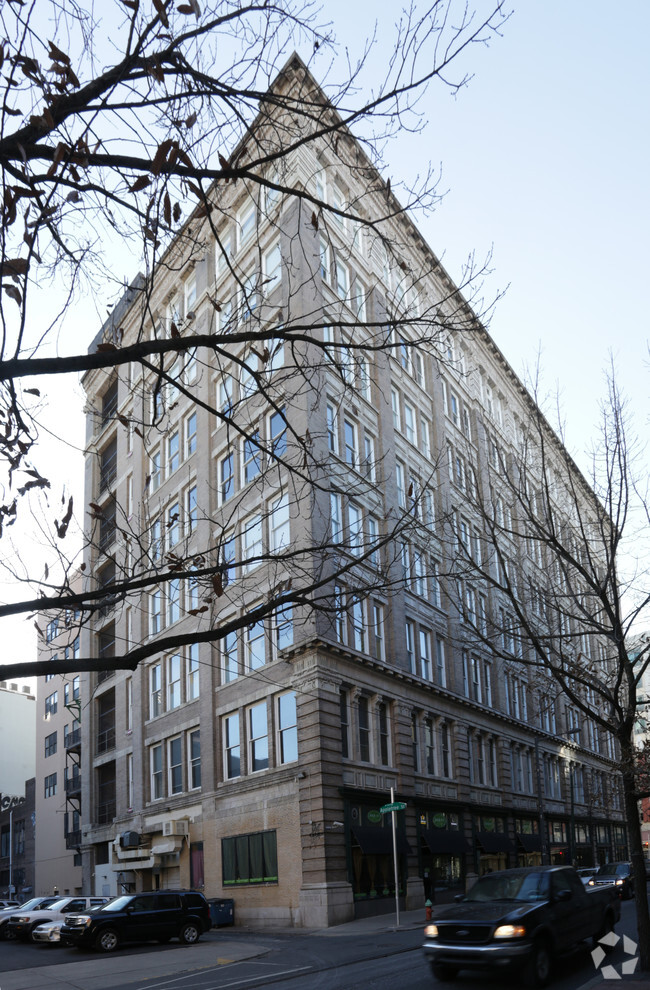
[[17, 737]]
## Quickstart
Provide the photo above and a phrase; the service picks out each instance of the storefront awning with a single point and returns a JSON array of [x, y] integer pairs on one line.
[[442, 840], [494, 842], [379, 841], [530, 843]]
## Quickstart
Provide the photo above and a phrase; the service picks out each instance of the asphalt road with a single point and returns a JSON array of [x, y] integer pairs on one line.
[[235, 959]]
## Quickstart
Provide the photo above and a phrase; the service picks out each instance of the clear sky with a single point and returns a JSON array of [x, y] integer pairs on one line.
[[545, 158]]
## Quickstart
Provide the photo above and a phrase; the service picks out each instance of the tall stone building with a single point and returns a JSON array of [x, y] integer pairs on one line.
[[255, 767]]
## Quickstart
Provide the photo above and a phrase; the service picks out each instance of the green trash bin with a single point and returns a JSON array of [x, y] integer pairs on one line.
[[222, 912]]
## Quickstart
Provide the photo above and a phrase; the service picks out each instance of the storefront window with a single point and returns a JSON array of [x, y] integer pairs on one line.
[[443, 849], [492, 844]]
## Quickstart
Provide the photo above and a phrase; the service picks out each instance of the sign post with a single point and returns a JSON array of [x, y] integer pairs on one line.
[[394, 807]]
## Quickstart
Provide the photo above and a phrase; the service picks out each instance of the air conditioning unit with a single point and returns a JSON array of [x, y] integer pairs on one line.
[[129, 840], [176, 828]]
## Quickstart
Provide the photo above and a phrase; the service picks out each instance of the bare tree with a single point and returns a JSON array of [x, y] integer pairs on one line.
[[120, 137], [560, 564]]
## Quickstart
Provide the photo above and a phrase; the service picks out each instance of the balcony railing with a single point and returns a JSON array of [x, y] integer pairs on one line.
[[73, 839], [73, 784], [73, 739]]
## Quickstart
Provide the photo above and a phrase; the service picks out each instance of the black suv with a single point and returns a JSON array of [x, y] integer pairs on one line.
[[159, 915]]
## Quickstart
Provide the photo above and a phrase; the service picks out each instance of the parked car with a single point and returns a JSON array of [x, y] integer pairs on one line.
[[586, 873], [30, 905], [8, 904], [160, 915], [49, 932], [620, 874], [22, 924], [522, 918]]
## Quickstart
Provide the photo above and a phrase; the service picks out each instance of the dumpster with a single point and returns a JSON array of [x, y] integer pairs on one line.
[[222, 912]]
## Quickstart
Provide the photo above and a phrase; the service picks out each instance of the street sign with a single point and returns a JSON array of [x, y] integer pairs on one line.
[[395, 806]]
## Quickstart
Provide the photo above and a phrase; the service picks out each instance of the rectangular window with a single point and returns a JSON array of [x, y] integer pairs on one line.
[[355, 530], [173, 524], [378, 631], [250, 859], [230, 659], [373, 541], [190, 434], [51, 704], [49, 789], [283, 628], [401, 491], [445, 750], [173, 681], [50, 744], [340, 615], [194, 758], [255, 646], [246, 223], [156, 756], [325, 261], [173, 602], [252, 543], [410, 646], [350, 443], [363, 715], [258, 738], [342, 280], [248, 295], [272, 268], [155, 612], [332, 430], [191, 509], [224, 395], [409, 423], [192, 682], [173, 453], [155, 691], [175, 765], [337, 523], [226, 477], [345, 724], [287, 728], [231, 745], [278, 433], [425, 654], [368, 466], [382, 725], [252, 458], [279, 524], [155, 470], [394, 400], [358, 625]]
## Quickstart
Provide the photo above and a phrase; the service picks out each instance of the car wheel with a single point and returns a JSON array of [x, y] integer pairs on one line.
[[107, 940], [443, 973], [190, 933], [538, 968]]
